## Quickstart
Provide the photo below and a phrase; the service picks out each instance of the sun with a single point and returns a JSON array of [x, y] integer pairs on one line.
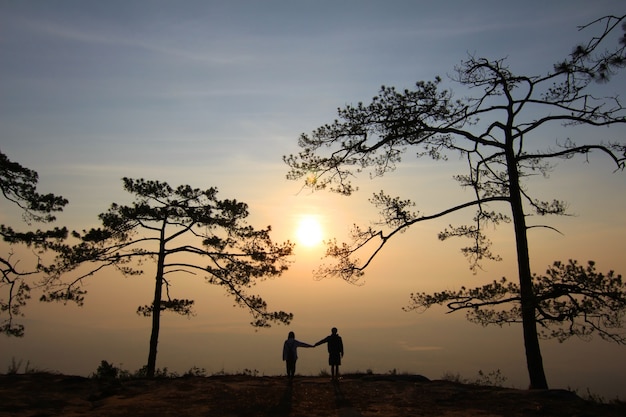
[[309, 232]]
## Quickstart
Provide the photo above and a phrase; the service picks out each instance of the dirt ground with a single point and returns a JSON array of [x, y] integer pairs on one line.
[[359, 395]]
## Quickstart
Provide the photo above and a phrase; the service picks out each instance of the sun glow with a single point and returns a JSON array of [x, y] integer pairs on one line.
[[309, 232]]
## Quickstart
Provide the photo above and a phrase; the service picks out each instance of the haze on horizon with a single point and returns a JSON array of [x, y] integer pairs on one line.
[[211, 93]]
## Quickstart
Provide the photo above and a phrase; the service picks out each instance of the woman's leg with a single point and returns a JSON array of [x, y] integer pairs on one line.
[[291, 368]]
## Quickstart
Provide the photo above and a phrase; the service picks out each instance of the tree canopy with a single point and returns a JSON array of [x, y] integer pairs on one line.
[[18, 185], [571, 301], [496, 129], [182, 232]]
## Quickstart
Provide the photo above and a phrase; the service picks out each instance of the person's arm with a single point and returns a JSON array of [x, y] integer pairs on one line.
[[302, 344], [321, 341]]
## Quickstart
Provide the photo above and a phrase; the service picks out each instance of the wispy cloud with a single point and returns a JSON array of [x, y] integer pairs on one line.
[[417, 348], [110, 36]]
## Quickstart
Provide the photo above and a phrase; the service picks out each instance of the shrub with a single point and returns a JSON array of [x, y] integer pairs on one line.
[[493, 378], [195, 371]]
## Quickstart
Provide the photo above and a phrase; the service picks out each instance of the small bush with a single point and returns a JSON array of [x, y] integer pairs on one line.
[[158, 373], [110, 372], [493, 378], [106, 371], [590, 396], [195, 371], [596, 398], [14, 368], [250, 372], [452, 377]]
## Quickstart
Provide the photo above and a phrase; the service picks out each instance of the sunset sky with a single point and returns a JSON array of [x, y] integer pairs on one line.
[[214, 93]]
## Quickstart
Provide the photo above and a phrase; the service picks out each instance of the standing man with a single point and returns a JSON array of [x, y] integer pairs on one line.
[[335, 352]]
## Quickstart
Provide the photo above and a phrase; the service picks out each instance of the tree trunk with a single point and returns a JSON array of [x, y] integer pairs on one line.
[[534, 362], [156, 308]]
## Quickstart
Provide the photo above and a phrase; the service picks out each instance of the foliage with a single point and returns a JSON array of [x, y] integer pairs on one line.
[[15, 367], [182, 231], [144, 372], [571, 300], [107, 371], [492, 378], [18, 185], [452, 377], [195, 371], [498, 132], [491, 132]]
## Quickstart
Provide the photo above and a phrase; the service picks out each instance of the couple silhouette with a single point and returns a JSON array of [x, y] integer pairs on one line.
[[335, 352]]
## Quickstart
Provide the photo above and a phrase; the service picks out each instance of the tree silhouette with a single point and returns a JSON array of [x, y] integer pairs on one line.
[[184, 231], [19, 186], [497, 132], [570, 300]]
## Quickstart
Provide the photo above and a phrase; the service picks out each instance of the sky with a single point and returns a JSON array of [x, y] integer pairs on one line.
[[211, 93]]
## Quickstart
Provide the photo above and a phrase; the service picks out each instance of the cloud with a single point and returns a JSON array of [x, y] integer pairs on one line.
[[416, 348], [109, 35]]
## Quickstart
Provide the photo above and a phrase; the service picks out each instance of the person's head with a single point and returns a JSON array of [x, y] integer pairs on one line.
[[292, 335], [334, 330]]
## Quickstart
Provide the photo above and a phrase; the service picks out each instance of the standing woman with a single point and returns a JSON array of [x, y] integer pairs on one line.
[[290, 353]]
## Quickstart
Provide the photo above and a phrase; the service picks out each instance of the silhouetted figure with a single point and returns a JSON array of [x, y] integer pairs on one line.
[[290, 353], [335, 352]]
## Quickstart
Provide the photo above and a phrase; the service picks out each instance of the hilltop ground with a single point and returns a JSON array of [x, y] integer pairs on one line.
[[46, 394]]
